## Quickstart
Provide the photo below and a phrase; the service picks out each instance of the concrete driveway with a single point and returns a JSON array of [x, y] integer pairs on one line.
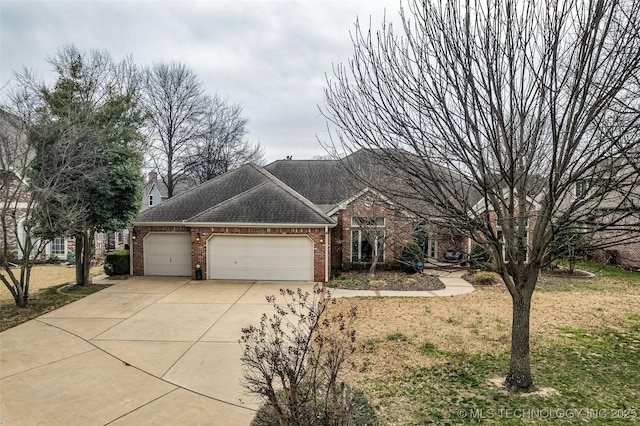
[[144, 351]]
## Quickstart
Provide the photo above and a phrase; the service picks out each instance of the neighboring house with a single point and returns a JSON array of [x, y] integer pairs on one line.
[[291, 220], [621, 207], [156, 191]]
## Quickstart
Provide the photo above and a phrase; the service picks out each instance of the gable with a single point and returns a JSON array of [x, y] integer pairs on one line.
[[188, 204], [248, 195], [267, 203]]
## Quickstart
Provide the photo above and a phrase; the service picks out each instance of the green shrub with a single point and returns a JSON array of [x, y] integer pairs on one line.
[[411, 255], [480, 257], [350, 407], [486, 278], [117, 263]]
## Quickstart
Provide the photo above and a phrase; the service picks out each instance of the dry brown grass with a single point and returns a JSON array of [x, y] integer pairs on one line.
[[476, 323], [43, 276]]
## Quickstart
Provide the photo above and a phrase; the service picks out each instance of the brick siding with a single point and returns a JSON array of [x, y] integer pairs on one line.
[[199, 248]]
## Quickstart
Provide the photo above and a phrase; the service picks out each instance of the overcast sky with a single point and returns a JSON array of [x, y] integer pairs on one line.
[[268, 56]]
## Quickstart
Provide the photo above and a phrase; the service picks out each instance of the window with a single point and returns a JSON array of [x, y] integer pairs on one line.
[[367, 241], [504, 245], [362, 249], [581, 189], [57, 247], [432, 248], [150, 199]]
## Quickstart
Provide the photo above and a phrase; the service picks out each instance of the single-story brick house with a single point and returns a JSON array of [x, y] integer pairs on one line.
[[290, 220]]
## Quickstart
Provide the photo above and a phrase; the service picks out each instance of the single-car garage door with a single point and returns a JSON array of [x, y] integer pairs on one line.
[[268, 258], [167, 254]]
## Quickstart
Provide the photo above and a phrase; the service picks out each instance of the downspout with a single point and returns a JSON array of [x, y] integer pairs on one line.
[[326, 254]]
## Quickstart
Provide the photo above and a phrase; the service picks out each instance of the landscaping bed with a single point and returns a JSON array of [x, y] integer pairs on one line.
[[386, 280]]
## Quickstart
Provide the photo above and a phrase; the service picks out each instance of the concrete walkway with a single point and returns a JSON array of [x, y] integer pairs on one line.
[[143, 351], [454, 286]]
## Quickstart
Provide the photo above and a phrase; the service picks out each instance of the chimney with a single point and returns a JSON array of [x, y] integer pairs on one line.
[[153, 177]]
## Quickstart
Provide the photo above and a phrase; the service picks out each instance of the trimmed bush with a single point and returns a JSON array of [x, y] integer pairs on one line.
[[486, 278], [117, 263], [411, 255], [480, 257]]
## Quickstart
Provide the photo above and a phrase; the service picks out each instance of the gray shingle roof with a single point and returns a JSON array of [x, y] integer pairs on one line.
[[247, 194], [267, 202], [323, 182]]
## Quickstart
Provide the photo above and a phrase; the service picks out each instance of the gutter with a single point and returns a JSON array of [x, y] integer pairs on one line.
[[236, 225], [254, 225]]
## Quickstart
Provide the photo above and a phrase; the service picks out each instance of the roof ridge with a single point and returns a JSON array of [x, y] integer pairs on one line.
[[295, 193], [227, 201], [254, 190]]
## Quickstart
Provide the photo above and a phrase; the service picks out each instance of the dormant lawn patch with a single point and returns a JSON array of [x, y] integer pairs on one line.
[[451, 347]]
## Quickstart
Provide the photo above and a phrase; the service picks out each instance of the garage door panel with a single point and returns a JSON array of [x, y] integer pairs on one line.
[[261, 258], [167, 254]]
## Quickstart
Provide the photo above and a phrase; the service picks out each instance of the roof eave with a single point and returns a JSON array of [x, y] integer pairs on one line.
[[237, 224], [257, 225]]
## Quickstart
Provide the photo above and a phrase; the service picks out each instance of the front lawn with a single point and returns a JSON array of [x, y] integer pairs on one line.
[[436, 360], [43, 294]]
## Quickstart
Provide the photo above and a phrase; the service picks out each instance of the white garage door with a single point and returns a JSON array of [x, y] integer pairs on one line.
[[260, 258], [167, 254]]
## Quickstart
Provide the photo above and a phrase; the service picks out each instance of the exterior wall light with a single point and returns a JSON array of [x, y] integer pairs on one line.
[[198, 237], [134, 235]]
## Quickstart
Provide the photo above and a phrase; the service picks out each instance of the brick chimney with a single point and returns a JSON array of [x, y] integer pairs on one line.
[[153, 177]]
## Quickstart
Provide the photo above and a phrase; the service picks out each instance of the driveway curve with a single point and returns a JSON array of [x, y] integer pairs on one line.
[[146, 350]]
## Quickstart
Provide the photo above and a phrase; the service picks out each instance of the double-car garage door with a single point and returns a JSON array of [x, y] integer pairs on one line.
[[271, 258], [232, 257]]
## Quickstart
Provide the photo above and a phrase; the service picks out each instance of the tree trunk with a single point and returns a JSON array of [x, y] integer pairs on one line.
[[84, 254], [79, 257], [374, 264], [519, 377], [88, 257]]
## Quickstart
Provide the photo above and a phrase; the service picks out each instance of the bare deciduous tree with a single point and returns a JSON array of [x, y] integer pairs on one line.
[[16, 205], [371, 239], [177, 108], [221, 146], [491, 114]]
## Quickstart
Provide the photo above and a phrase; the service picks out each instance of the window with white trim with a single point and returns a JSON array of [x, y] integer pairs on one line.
[[57, 247], [150, 199], [367, 239], [503, 245]]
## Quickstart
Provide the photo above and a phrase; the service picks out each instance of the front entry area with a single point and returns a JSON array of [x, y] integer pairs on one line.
[[265, 258]]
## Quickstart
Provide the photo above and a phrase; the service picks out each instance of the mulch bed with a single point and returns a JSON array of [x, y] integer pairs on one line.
[[558, 271], [387, 280]]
